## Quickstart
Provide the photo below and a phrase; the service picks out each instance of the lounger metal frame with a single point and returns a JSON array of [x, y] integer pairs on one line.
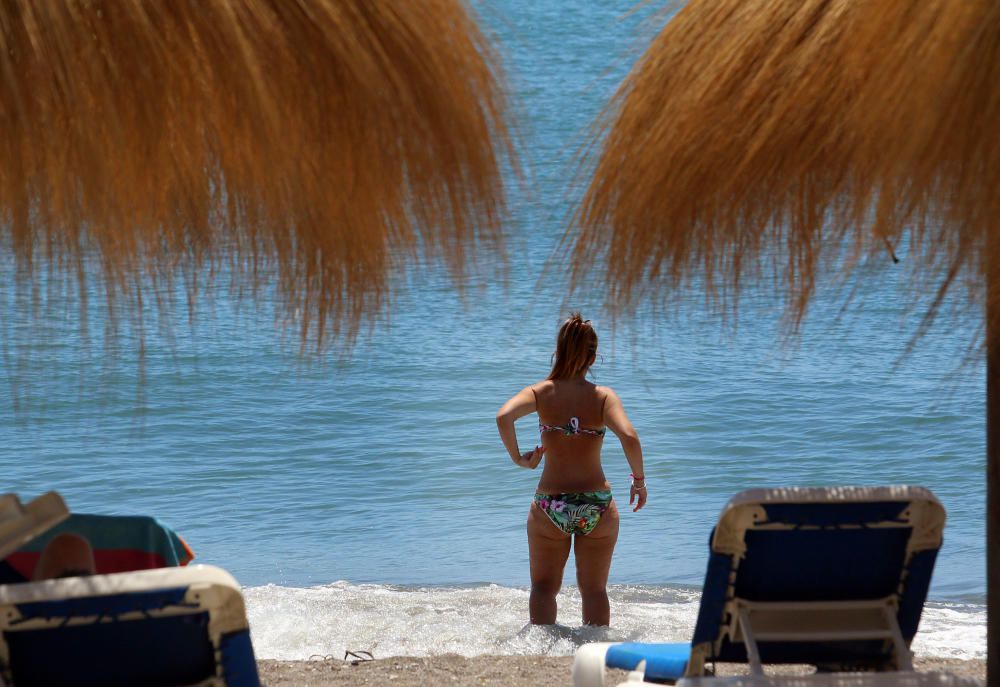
[[816, 621]]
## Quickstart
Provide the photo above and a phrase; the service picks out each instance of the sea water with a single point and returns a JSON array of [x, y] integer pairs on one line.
[[363, 497]]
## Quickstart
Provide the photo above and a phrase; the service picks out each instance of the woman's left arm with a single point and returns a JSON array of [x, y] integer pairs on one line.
[[521, 404]]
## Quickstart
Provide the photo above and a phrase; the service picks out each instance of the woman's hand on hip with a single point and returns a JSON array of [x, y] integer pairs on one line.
[[639, 492], [531, 459]]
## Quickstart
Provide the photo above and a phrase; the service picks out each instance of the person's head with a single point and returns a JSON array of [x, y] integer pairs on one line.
[[576, 348], [66, 555]]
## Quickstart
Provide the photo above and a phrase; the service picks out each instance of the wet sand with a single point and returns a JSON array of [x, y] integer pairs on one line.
[[485, 671]]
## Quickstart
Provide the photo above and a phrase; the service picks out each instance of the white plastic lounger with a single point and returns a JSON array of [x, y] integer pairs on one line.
[[168, 627], [831, 577]]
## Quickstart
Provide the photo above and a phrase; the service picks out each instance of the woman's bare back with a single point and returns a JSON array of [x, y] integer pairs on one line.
[[572, 456]]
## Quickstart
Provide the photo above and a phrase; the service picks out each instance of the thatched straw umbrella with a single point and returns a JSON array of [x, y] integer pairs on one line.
[[789, 137], [318, 145]]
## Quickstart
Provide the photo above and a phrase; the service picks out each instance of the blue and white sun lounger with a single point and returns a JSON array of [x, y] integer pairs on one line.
[[833, 577], [168, 627]]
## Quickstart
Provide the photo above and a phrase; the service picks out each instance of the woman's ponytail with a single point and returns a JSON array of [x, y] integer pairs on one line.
[[576, 348]]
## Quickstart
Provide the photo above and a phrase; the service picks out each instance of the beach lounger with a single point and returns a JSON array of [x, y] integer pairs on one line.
[[169, 627], [835, 578]]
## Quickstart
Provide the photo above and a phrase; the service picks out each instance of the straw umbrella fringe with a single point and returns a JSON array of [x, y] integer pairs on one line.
[[793, 137], [326, 142], [750, 126]]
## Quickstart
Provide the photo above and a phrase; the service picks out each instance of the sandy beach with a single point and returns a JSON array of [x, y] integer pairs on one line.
[[486, 671]]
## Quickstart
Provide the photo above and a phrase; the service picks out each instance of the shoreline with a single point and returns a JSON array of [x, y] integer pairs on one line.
[[495, 671]]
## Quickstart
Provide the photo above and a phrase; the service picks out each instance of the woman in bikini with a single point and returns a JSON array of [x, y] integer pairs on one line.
[[572, 503]]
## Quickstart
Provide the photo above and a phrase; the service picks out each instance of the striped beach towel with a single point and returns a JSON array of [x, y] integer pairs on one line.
[[121, 544]]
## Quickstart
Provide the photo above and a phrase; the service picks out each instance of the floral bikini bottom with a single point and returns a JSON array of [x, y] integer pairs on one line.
[[577, 512]]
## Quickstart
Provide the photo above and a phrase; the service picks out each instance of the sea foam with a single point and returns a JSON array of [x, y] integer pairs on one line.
[[298, 623]]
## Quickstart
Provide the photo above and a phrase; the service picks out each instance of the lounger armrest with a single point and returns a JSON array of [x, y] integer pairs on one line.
[[657, 662], [654, 662]]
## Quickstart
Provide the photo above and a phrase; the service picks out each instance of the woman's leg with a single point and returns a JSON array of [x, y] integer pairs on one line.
[[593, 563], [548, 549]]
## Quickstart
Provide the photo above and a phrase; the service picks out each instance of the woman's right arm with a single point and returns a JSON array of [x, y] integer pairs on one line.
[[618, 422], [522, 403]]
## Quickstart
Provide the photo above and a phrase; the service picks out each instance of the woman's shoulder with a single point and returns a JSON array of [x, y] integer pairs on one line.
[[605, 392], [544, 386]]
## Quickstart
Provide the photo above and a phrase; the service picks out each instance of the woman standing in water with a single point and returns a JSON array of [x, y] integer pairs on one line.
[[573, 499]]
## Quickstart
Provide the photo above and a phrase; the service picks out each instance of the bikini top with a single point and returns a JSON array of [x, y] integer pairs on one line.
[[571, 428]]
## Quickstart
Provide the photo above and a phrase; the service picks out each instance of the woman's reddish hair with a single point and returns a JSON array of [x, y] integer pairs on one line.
[[576, 348]]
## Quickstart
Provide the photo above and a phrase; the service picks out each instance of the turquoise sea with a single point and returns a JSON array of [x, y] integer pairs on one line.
[[363, 497]]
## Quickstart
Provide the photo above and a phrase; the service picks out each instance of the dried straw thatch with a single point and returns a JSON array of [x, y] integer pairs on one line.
[[324, 142], [796, 136], [759, 138]]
